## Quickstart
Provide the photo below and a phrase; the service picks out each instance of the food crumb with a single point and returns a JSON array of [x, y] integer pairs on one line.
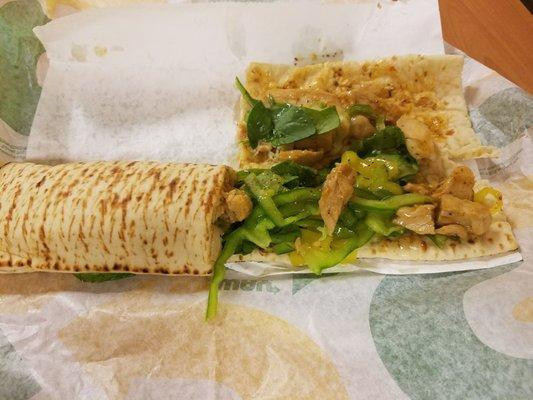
[[100, 51], [78, 52]]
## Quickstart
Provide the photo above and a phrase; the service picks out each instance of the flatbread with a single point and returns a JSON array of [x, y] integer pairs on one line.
[[427, 87], [140, 217], [498, 240]]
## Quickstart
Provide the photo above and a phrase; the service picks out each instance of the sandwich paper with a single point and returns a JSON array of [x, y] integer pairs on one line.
[[158, 84]]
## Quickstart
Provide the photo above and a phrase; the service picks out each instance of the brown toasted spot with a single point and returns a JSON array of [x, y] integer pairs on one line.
[[105, 268], [135, 269], [145, 270], [169, 253], [41, 181], [76, 268], [195, 272], [165, 241], [126, 268], [209, 271], [164, 271], [186, 270], [116, 267]]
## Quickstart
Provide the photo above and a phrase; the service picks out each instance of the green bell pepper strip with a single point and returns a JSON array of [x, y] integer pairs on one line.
[[380, 222], [296, 196], [398, 166], [438, 240], [392, 203], [310, 222], [343, 232], [283, 248], [285, 234], [265, 201], [291, 209], [232, 242], [318, 259], [255, 230]]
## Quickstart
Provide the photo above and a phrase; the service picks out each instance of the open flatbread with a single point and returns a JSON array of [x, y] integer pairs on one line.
[[428, 88], [498, 240], [139, 217]]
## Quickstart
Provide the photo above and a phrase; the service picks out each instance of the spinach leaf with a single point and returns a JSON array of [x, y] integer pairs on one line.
[[282, 124], [388, 140], [300, 174], [245, 93], [96, 277], [291, 124], [325, 120], [259, 124]]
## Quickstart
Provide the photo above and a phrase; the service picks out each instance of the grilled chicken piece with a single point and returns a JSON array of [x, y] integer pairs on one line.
[[421, 146], [418, 219], [360, 127], [453, 230], [337, 190], [473, 216], [460, 184], [417, 188], [238, 206], [304, 157]]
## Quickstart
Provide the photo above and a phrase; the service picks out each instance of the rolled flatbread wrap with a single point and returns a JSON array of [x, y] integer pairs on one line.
[[140, 217]]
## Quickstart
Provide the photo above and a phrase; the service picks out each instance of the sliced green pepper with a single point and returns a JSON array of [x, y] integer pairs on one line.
[[219, 271], [438, 240], [392, 203], [380, 222], [254, 230], [397, 165], [317, 258], [310, 222], [285, 234], [283, 248], [263, 195], [297, 196]]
